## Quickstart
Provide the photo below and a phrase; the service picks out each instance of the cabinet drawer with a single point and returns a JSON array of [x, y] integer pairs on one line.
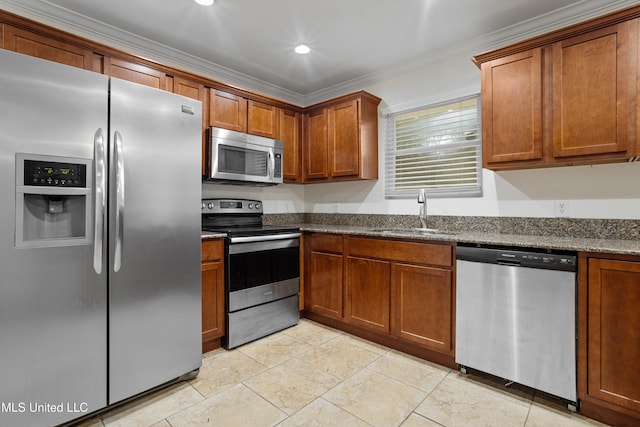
[[409, 252], [212, 250], [326, 243]]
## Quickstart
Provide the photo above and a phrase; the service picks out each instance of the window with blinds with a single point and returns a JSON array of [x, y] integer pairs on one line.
[[438, 148]]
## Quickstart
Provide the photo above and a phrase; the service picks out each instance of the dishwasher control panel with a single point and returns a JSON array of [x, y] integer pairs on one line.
[[518, 257]]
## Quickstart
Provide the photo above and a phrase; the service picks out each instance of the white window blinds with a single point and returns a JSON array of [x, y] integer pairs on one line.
[[437, 148]]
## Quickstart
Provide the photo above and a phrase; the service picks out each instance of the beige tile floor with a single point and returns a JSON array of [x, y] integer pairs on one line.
[[312, 375]]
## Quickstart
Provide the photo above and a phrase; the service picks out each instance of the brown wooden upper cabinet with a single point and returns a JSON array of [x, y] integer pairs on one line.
[[196, 90], [591, 100], [567, 100], [512, 108], [227, 111], [290, 132], [235, 112], [341, 139], [29, 43], [315, 146], [262, 119], [134, 72], [189, 88]]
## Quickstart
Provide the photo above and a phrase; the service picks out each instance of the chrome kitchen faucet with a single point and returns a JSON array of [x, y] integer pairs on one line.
[[422, 201]]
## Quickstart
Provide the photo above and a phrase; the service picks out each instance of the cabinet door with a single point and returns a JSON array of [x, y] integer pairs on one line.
[[227, 111], [136, 73], [422, 306], [512, 108], [344, 139], [21, 41], [613, 340], [262, 119], [323, 284], [212, 293], [289, 128], [591, 75], [367, 293], [316, 150], [189, 88], [195, 90]]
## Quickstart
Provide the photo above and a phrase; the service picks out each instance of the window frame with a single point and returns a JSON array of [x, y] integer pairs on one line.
[[391, 153]]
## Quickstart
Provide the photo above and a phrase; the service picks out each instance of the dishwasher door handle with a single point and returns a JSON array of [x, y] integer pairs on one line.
[[509, 262]]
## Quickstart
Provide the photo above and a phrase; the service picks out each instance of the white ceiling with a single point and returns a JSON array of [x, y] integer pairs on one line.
[[249, 43]]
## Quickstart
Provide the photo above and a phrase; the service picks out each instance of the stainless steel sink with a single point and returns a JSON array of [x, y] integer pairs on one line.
[[411, 231]]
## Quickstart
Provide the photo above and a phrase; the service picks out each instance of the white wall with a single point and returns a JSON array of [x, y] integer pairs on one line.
[[283, 198], [602, 191]]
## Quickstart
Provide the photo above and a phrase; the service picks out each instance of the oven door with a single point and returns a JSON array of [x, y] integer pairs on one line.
[[261, 269]]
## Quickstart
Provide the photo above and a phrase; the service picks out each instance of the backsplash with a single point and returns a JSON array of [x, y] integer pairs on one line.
[[622, 229]]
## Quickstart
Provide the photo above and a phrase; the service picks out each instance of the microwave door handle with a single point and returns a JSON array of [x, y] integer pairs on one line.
[[119, 181], [100, 183], [272, 165]]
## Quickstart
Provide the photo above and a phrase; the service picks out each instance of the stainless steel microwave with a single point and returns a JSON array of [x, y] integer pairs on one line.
[[239, 158]]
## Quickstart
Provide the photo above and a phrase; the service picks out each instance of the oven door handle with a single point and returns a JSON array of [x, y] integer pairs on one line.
[[250, 239]]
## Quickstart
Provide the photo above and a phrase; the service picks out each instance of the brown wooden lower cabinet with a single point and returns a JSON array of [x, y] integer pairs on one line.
[[212, 293], [397, 293], [368, 293], [423, 302], [609, 338], [323, 275]]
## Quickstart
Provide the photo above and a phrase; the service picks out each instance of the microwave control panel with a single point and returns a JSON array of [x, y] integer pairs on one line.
[[54, 174]]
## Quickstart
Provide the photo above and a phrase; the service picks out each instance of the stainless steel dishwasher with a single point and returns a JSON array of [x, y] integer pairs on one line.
[[516, 316]]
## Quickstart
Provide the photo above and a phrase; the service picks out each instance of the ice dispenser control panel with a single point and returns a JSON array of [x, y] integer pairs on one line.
[[53, 201], [54, 174]]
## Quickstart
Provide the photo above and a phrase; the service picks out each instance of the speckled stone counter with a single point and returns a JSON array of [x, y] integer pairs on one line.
[[613, 246], [210, 235], [571, 234]]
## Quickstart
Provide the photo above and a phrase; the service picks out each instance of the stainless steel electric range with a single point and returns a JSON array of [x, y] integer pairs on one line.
[[262, 269]]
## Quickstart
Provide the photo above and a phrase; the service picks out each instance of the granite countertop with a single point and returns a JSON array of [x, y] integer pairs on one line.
[[532, 239], [612, 246], [210, 235]]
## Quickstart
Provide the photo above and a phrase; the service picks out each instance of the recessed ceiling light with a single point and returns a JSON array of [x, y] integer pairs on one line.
[[302, 49], [205, 2]]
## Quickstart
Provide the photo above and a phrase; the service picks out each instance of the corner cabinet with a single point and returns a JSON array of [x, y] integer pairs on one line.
[[212, 293], [568, 99], [290, 133], [609, 338], [341, 139]]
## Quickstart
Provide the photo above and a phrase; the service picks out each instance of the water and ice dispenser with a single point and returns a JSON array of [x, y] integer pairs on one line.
[[53, 201]]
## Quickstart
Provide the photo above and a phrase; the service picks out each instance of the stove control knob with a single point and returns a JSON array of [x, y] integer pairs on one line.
[[250, 206], [203, 206], [258, 205], [210, 205]]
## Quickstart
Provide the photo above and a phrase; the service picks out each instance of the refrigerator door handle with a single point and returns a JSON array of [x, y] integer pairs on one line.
[[119, 179], [100, 200]]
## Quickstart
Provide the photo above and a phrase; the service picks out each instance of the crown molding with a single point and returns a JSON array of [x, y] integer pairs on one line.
[[100, 32]]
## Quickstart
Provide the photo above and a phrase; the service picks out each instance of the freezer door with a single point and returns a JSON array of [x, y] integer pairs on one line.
[[154, 218], [53, 319]]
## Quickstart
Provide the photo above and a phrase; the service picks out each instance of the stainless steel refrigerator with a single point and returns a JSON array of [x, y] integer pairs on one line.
[[100, 282]]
